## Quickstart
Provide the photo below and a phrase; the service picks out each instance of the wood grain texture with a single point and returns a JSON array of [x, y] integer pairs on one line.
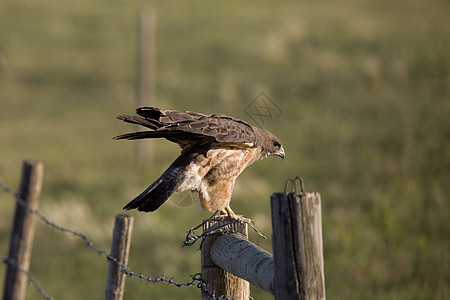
[[22, 233], [237, 255], [120, 250], [221, 282], [297, 246]]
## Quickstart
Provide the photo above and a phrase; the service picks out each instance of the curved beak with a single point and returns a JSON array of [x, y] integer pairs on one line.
[[280, 153]]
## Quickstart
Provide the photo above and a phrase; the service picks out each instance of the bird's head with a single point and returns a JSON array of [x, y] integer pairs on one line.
[[271, 145]]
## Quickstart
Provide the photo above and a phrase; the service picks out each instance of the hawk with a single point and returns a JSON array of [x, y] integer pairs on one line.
[[215, 150]]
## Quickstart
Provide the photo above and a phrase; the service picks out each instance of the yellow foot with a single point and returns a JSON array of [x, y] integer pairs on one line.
[[228, 212]]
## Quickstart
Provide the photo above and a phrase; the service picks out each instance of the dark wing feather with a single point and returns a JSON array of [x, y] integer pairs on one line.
[[185, 127], [160, 190], [156, 194], [222, 128], [168, 116], [152, 124], [168, 134]]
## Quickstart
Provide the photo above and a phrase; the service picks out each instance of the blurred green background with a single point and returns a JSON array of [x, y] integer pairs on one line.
[[364, 88]]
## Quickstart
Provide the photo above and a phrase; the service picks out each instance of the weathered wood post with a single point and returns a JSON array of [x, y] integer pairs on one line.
[[146, 73], [237, 255], [22, 234], [120, 249], [217, 280], [297, 245]]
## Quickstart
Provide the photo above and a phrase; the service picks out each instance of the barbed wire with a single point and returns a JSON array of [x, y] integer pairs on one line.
[[28, 274], [195, 278], [192, 237]]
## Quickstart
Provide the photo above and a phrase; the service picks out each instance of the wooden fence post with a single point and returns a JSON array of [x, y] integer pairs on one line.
[[146, 73], [297, 246], [120, 249], [22, 233], [237, 255], [217, 280]]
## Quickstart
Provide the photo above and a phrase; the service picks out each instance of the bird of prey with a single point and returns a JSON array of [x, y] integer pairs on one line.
[[215, 150]]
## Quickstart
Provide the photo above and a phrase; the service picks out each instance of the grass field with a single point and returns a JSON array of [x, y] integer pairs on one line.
[[364, 87]]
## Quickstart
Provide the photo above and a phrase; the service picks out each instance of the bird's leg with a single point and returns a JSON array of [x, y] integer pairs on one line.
[[228, 211]]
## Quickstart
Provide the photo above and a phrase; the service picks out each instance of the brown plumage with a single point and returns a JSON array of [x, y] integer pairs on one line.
[[215, 150]]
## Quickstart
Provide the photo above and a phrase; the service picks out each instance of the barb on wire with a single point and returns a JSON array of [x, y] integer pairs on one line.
[[22, 203], [192, 237], [195, 278], [30, 277], [205, 291]]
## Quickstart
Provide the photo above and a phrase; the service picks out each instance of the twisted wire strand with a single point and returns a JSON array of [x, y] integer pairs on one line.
[[148, 279]]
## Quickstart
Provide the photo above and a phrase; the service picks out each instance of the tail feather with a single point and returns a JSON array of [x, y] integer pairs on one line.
[[167, 117], [146, 135], [150, 123], [158, 192]]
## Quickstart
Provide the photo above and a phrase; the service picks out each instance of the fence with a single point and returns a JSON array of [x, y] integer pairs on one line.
[[229, 260]]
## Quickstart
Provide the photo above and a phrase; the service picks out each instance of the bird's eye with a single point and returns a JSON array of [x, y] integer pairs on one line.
[[276, 144]]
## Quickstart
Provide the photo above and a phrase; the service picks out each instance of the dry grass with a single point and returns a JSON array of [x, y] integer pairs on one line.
[[364, 88]]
